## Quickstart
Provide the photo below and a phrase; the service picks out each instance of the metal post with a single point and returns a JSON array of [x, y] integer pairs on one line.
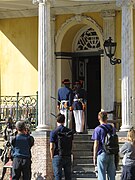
[[36, 123], [17, 105], [0, 108]]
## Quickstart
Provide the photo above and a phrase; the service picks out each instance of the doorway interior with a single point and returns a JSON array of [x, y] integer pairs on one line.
[[88, 69]]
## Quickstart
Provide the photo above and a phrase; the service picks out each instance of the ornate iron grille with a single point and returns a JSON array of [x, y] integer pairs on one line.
[[89, 40], [19, 108]]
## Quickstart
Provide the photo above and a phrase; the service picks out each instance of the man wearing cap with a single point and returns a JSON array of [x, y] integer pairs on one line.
[[79, 106], [65, 99]]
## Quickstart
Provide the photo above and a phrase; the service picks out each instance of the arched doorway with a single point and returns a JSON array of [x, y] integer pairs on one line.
[[88, 57], [87, 67]]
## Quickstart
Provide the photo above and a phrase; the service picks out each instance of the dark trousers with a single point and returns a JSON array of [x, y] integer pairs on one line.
[[128, 173], [22, 167], [59, 163]]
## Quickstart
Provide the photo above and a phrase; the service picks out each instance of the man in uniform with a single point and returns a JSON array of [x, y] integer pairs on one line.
[[65, 98], [79, 106]]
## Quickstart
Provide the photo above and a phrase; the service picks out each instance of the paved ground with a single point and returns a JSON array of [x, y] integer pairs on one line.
[[1, 163], [7, 175]]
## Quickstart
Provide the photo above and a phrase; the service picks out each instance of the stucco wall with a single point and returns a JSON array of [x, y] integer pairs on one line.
[[18, 56], [118, 55]]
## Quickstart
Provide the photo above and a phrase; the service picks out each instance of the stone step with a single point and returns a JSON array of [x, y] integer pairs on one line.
[[82, 137], [86, 175], [77, 153], [83, 167], [118, 177], [85, 145], [87, 170], [87, 160], [83, 160]]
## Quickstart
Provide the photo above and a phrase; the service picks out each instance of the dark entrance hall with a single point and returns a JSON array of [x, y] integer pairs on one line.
[[88, 69]]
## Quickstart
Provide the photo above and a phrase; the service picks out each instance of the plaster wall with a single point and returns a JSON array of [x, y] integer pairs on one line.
[[18, 56], [118, 55]]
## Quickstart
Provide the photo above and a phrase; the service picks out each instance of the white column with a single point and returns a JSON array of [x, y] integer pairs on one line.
[[44, 64], [109, 70], [53, 74], [127, 86]]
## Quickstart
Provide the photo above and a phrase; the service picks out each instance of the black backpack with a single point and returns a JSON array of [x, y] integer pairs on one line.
[[111, 143], [65, 138]]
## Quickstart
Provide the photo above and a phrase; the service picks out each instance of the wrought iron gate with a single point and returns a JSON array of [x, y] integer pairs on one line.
[[19, 108]]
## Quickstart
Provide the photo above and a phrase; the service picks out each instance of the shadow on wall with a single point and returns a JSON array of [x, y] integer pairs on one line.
[[23, 33]]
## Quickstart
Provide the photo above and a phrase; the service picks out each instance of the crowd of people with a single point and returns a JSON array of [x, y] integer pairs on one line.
[[18, 141], [17, 148], [104, 162]]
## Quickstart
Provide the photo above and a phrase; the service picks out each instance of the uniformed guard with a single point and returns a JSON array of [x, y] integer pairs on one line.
[[65, 99], [79, 106]]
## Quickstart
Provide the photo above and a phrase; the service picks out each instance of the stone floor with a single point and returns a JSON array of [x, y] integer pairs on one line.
[[7, 175]]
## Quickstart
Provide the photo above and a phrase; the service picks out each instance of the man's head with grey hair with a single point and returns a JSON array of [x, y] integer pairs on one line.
[[20, 125]]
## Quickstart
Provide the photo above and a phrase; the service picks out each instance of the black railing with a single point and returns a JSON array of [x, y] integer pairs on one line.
[[20, 108]]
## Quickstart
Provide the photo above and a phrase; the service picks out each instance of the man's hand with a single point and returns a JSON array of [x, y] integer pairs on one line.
[[52, 150], [94, 160], [58, 107], [84, 107], [71, 108], [95, 149]]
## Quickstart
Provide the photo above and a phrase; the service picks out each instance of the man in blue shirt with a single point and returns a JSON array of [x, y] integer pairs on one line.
[[65, 99], [59, 161], [21, 152], [105, 162], [79, 105]]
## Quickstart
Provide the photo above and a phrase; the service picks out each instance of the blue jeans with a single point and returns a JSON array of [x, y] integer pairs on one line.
[[105, 163], [59, 163]]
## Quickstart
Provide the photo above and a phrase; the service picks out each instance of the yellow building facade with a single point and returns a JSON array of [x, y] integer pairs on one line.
[[19, 53], [19, 56], [43, 42]]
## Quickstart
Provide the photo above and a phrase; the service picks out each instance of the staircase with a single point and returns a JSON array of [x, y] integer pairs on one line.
[[82, 157], [83, 168]]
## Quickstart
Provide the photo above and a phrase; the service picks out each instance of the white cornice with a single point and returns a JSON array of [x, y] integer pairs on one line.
[[25, 8], [125, 2]]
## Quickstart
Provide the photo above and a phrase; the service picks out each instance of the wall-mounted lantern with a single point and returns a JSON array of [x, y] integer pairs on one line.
[[110, 48]]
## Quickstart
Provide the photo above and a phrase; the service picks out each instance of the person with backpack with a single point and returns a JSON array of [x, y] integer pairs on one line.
[[60, 149], [21, 153], [104, 149], [128, 150]]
